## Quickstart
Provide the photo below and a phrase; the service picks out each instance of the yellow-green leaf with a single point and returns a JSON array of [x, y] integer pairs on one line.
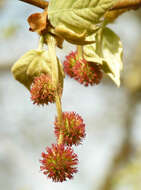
[[72, 36], [107, 51], [31, 64], [91, 51], [112, 52], [78, 15]]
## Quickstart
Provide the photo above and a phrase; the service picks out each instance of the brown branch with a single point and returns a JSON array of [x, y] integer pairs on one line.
[[127, 4], [38, 3], [121, 4]]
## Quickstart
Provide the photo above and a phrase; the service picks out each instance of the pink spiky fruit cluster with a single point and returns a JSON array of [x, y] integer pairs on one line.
[[42, 90], [59, 163], [72, 128], [86, 73]]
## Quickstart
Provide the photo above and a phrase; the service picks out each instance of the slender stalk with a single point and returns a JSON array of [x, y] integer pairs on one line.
[[54, 62], [59, 113], [80, 52], [55, 79], [99, 40], [41, 43]]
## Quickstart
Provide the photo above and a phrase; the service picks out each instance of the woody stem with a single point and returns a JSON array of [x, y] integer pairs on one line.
[[127, 4], [121, 4], [38, 3]]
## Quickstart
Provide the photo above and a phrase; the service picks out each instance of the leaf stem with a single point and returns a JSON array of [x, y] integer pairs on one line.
[[41, 43], [80, 52], [99, 42]]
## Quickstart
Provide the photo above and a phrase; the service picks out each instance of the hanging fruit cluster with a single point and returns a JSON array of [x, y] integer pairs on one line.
[[98, 50]]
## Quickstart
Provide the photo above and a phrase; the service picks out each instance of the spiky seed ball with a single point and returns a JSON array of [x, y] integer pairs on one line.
[[87, 73], [72, 129], [84, 72], [59, 163], [42, 90], [69, 64]]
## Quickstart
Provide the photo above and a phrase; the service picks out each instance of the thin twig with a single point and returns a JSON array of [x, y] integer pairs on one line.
[[38, 3], [121, 4], [126, 4]]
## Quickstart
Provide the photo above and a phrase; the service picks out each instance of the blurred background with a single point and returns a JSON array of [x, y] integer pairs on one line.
[[110, 156]]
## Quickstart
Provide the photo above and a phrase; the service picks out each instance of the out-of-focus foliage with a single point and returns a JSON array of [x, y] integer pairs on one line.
[[25, 188], [129, 176], [133, 76], [9, 31], [2, 2], [138, 13]]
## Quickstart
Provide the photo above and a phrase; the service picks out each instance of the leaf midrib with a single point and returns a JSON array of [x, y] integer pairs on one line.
[[69, 10]]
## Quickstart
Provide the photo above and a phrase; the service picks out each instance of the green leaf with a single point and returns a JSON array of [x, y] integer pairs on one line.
[[107, 51], [78, 15], [112, 52], [72, 36], [91, 51], [32, 64]]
